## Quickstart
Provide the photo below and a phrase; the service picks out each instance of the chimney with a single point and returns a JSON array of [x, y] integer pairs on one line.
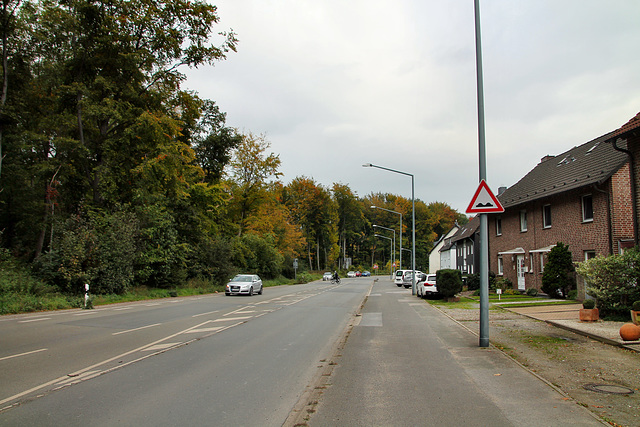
[[501, 190], [545, 158]]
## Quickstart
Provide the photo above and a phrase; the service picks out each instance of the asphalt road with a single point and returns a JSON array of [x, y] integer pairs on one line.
[[210, 360], [407, 364]]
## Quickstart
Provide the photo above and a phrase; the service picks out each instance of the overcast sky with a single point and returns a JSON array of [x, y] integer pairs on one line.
[[334, 84]]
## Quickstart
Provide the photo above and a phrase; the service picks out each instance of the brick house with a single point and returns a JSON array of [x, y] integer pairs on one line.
[[630, 132], [581, 198]]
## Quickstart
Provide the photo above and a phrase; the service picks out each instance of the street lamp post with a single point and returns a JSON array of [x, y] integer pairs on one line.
[[385, 237], [400, 214], [393, 252], [413, 219]]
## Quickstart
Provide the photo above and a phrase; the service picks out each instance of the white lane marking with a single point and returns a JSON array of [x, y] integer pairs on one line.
[[87, 312], [89, 368], [195, 331], [229, 319], [77, 378], [161, 346], [204, 314], [23, 354], [371, 319], [136, 329], [122, 308], [34, 320]]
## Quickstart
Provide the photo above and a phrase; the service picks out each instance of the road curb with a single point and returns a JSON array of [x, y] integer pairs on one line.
[[306, 404]]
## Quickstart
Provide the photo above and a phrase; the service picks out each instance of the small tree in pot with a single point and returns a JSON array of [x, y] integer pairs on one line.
[[589, 312], [449, 282]]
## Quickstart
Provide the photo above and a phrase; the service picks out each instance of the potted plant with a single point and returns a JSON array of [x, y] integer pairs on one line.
[[635, 312], [589, 312]]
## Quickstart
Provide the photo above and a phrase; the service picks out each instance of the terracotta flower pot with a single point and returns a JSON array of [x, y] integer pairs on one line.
[[589, 314], [635, 317], [630, 332]]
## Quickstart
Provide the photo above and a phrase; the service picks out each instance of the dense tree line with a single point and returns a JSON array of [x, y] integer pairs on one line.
[[111, 173]]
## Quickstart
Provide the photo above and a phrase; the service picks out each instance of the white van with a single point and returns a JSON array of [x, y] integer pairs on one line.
[[399, 279]]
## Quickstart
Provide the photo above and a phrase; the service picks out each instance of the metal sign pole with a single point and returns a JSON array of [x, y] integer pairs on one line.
[[484, 233]]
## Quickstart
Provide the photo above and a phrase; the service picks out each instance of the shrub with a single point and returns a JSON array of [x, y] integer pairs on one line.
[[502, 283], [558, 277], [613, 280], [449, 282], [589, 303], [532, 292], [636, 305], [473, 282]]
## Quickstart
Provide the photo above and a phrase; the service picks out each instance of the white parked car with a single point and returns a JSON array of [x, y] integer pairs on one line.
[[399, 279], [327, 276], [426, 286], [244, 284], [408, 278], [351, 274]]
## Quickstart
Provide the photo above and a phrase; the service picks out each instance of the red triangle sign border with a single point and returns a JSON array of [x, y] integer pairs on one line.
[[496, 208]]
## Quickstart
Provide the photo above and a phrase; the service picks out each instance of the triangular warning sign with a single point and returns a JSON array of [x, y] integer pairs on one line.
[[484, 201]]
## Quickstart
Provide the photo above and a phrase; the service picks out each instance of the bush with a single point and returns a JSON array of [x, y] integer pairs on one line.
[[636, 305], [449, 282], [502, 283], [558, 278], [613, 280], [473, 282], [589, 303], [532, 292]]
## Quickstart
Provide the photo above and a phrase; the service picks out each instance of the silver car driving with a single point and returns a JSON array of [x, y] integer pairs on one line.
[[244, 284]]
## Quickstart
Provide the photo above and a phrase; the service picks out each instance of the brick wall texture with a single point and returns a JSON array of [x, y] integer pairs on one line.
[[612, 224]]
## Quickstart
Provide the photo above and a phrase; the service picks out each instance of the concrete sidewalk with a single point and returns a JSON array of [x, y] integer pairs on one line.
[[404, 363], [567, 316]]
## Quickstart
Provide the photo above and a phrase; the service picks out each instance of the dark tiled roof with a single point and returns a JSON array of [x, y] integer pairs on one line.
[[633, 124], [467, 230], [590, 163]]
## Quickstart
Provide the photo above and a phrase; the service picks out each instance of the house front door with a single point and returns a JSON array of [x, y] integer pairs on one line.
[[521, 271]]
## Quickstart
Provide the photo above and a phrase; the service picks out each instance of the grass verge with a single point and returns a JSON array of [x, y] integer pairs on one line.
[[22, 293]]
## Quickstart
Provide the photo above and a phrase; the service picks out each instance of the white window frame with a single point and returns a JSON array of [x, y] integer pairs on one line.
[[542, 254], [523, 221], [500, 265], [584, 211], [546, 216], [498, 226]]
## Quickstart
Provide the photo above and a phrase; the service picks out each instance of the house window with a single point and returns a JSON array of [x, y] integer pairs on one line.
[[498, 226], [523, 221], [587, 208], [500, 266], [542, 254], [589, 254], [546, 216]]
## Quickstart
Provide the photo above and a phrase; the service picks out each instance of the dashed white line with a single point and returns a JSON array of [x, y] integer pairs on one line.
[[204, 314], [23, 354], [34, 320], [229, 319], [136, 329]]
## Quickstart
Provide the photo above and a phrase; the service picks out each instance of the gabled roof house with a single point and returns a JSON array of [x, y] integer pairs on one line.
[[630, 133], [581, 198], [461, 250], [434, 254]]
